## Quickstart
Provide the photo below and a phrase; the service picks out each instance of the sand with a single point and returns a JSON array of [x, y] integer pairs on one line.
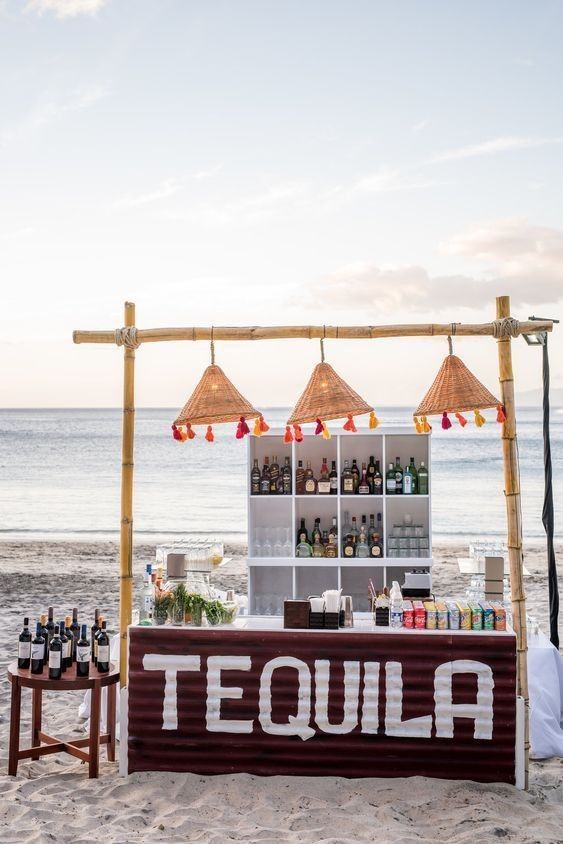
[[52, 799]]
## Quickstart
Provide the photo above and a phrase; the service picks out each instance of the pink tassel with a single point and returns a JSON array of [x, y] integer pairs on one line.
[[319, 428], [209, 435], [461, 419], [445, 421], [242, 428], [176, 433]]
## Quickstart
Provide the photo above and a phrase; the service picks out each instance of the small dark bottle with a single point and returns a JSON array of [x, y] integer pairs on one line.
[[71, 646], [38, 650], [103, 650], [45, 634], [55, 656], [24, 646], [64, 641], [93, 630], [83, 653], [75, 628], [50, 625]]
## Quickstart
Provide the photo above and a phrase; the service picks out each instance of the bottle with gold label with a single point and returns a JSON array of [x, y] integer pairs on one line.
[[347, 485], [323, 486], [310, 480]]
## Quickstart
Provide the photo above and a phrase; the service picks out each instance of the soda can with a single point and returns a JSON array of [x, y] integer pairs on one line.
[[453, 615], [464, 616], [488, 616], [408, 614], [419, 615], [431, 615], [476, 616], [500, 617]]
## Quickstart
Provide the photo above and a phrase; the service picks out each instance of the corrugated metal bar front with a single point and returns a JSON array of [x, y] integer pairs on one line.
[[322, 703]]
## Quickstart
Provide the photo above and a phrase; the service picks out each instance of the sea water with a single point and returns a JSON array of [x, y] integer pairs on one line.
[[60, 476]]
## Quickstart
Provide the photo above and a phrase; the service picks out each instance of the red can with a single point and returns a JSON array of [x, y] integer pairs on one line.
[[408, 614], [419, 615]]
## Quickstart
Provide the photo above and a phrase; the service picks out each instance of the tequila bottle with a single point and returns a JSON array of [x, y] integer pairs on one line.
[[310, 480], [347, 487], [362, 547]]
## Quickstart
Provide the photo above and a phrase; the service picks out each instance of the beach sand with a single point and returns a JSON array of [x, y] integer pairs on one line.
[[52, 799]]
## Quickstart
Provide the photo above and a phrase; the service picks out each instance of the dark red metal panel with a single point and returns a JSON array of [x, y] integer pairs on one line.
[[193, 747]]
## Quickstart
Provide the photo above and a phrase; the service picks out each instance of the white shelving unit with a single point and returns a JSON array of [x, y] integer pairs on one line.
[[273, 578]]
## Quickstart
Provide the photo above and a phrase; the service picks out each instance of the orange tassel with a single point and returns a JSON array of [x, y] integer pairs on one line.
[[418, 425], [263, 424], [257, 429], [461, 419], [445, 421], [326, 433], [209, 435], [288, 436], [189, 433], [373, 420], [426, 426], [479, 419], [501, 413], [298, 433], [349, 425]]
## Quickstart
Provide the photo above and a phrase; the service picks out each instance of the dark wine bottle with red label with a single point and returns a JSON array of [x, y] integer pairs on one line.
[[24, 646]]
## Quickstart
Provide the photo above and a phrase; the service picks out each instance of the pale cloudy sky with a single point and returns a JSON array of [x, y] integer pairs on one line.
[[278, 162]]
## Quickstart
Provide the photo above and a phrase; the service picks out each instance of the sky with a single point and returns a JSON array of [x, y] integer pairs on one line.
[[261, 162]]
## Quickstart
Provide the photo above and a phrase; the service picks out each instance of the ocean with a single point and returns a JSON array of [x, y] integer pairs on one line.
[[60, 476]]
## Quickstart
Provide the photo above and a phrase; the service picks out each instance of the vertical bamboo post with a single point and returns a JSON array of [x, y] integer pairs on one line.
[[126, 533], [514, 519]]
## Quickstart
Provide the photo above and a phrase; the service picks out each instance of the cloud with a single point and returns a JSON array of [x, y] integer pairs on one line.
[[65, 8], [494, 147], [523, 261], [418, 127], [388, 180], [163, 191], [206, 174]]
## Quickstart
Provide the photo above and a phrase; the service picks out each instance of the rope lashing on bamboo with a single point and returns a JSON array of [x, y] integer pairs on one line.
[[127, 337], [506, 327]]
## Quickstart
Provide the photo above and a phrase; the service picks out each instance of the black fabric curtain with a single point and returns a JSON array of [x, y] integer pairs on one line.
[[547, 512]]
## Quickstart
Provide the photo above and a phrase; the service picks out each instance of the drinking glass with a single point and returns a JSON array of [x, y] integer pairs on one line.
[[288, 544], [257, 547], [267, 546], [278, 546]]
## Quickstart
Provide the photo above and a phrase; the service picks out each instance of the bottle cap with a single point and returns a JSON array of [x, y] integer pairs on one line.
[[56, 629], [25, 622]]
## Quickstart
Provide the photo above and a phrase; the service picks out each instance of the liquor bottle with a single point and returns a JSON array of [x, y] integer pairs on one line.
[[38, 650], [55, 655], [380, 533], [375, 546], [396, 606], [50, 624], [147, 598], [302, 535], [310, 480], [422, 479], [363, 486], [398, 477], [71, 654], [331, 548], [323, 486], [96, 626], [318, 549], [371, 474], [333, 530], [24, 646], [317, 534], [390, 481], [64, 641], [286, 477], [95, 640], [45, 636], [377, 480], [83, 653], [75, 628], [347, 526], [362, 546], [355, 474], [300, 479], [333, 478], [354, 531], [414, 474], [274, 476], [347, 487], [265, 477], [407, 481], [103, 650], [303, 546], [349, 546], [255, 478]]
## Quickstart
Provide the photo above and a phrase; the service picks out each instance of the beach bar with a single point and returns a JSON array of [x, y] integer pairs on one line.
[[359, 701]]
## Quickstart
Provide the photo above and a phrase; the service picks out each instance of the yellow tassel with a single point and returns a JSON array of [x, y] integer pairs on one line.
[[479, 419], [426, 426], [257, 427], [418, 425], [373, 420], [326, 433]]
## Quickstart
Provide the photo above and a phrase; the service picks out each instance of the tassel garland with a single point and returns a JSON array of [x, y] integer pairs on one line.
[[349, 425], [319, 428], [461, 419], [298, 433], [373, 420], [209, 435], [242, 428], [426, 426], [288, 436], [176, 433], [479, 419], [326, 433], [257, 430], [446, 421], [501, 413]]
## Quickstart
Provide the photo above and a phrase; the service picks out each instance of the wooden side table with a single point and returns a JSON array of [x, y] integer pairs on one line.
[[41, 743]]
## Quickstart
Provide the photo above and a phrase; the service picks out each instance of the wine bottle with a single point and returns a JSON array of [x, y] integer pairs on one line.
[[95, 641], [75, 630], [302, 535], [64, 641], [255, 479], [55, 655], [38, 650], [95, 627], [414, 474], [71, 653], [45, 635], [50, 624], [24, 646], [333, 478], [103, 650], [370, 475], [83, 653], [286, 477], [355, 475]]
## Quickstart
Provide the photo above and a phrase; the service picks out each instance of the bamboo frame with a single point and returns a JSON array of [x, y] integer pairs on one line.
[[514, 522], [371, 332]]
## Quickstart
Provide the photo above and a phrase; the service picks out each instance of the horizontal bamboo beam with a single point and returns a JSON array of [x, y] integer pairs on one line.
[[310, 332]]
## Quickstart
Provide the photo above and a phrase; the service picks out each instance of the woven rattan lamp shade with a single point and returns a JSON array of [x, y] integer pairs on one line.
[[455, 389], [215, 400], [327, 396]]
